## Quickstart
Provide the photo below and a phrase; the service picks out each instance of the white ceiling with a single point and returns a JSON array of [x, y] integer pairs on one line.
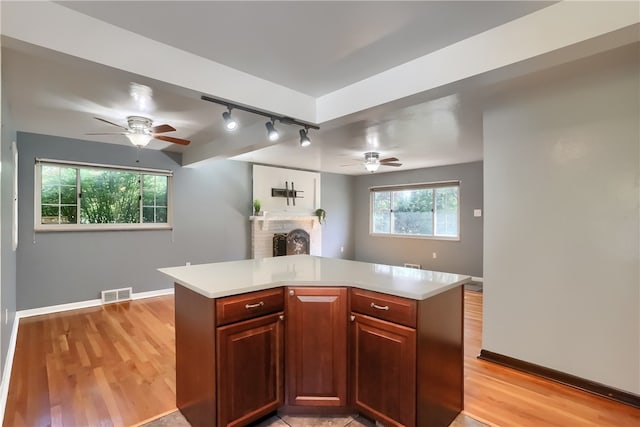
[[314, 47], [305, 51]]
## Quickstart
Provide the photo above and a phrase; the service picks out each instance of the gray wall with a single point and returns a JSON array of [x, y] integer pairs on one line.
[[562, 226], [8, 268], [338, 200], [211, 206], [463, 256]]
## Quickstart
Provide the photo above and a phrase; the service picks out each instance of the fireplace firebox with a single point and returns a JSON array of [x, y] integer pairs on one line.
[[294, 242]]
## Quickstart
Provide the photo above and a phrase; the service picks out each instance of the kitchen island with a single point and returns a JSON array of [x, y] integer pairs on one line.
[[310, 335]]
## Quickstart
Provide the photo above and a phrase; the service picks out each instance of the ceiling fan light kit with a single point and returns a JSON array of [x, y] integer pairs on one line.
[[272, 132], [372, 161], [141, 131], [372, 166], [139, 139]]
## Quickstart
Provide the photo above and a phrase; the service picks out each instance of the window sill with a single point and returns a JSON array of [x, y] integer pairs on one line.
[[409, 236], [101, 227]]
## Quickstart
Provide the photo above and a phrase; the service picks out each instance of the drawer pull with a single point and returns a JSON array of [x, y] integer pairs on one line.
[[379, 307], [248, 306]]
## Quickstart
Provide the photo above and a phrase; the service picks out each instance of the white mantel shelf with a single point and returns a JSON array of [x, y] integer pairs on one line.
[[283, 218], [265, 219], [236, 277]]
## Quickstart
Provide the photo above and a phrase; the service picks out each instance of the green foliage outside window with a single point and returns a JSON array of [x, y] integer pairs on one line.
[[78, 195], [429, 211]]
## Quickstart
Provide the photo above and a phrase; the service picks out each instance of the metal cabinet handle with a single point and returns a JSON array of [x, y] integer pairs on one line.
[[292, 292], [248, 306], [379, 307], [353, 318], [281, 317]]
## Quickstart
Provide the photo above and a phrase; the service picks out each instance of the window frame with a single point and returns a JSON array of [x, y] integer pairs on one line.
[[39, 227], [416, 186]]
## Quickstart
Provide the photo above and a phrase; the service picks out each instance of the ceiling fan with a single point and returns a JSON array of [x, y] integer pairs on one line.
[[141, 131], [372, 161]]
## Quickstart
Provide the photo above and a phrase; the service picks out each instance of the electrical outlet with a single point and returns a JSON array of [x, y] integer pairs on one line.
[[6, 316], [434, 255], [341, 249]]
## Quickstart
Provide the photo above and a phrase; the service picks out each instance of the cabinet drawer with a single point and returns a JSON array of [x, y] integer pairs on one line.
[[387, 307], [246, 306]]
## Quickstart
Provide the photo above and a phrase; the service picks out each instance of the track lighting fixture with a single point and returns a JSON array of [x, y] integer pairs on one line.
[[304, 137], [229, 122], [272, 133]]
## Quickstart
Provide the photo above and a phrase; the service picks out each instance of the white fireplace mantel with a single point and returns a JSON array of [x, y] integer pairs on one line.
[[265, 220]]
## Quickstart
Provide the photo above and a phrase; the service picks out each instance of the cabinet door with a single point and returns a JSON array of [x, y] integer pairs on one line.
[[250, 366], [316, 342], [384, 370]]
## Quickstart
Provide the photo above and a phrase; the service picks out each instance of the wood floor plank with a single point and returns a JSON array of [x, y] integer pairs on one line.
[[115, 366], [505, 397], [101, 366]]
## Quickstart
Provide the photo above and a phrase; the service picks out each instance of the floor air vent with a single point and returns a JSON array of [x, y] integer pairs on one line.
[[116, 295]]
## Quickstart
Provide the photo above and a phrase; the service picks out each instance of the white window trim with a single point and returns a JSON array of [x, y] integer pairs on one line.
[[424, 185], [37, 212]]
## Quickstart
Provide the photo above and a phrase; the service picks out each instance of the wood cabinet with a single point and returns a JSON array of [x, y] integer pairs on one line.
[[250, 367], [384, 370], [407, 358], [396, 360], [316, 348], [229, 356]]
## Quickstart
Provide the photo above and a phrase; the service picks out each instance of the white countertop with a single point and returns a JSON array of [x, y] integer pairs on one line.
[[237, 277]]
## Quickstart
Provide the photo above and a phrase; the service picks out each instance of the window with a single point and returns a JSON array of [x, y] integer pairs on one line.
[[420, 210], [80, 196]]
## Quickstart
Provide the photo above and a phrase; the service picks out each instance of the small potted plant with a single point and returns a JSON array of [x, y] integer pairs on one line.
[[256, 207], [322, 215]]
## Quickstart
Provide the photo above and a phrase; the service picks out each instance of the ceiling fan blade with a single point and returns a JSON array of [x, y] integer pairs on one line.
[[162, 129], [172, 139], [111, 123], [391, 164], [389, 159], [107, 133]]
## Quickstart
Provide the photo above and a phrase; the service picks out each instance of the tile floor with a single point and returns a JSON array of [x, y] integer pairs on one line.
[[176, 419]]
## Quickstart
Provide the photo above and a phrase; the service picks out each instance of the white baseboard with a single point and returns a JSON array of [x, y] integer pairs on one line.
[[57, 308], [151, 294], [84, 304], [8, 366]]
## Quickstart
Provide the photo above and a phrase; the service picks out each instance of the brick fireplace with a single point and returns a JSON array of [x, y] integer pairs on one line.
[[263, 230]]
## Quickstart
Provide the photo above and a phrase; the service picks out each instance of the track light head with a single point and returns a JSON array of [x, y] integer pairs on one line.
[[304, 138], [272, 133], [229, 122]]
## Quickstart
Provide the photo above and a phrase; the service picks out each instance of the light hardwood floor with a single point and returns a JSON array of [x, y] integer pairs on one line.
[[115, 366], [102, 366]]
